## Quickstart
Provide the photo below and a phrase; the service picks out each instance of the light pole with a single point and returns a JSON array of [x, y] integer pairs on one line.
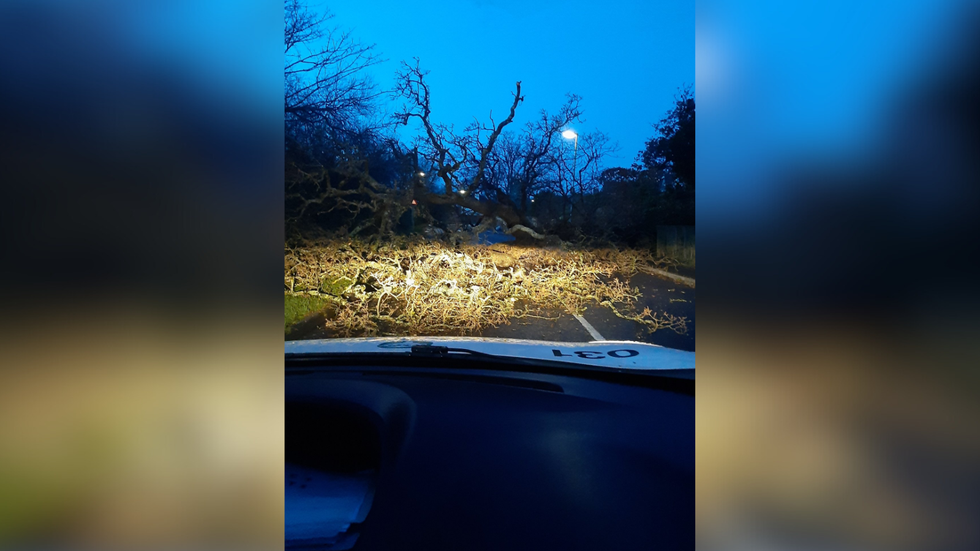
[[572, 135]]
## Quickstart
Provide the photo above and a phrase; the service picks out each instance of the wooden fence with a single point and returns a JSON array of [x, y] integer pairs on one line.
[[676, 242]]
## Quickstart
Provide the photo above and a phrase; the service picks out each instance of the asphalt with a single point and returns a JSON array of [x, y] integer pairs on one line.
[[660, 295]]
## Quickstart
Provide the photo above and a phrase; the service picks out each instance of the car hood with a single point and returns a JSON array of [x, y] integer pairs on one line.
[[608, 354]]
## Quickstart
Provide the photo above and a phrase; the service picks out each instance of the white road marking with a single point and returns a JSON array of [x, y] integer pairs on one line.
[[588, 327]]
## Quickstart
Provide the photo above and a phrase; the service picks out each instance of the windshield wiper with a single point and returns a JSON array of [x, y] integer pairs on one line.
[[444, 351], [417, 351], [429, 356]]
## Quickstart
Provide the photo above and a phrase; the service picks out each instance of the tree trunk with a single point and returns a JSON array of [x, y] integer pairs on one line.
[[507, 213]]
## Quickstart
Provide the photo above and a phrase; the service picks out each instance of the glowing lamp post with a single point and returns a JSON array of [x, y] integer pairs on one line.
[[572, 135]]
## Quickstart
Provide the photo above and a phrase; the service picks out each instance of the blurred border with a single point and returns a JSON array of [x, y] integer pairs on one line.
[[141, 346], [140, 400], [837, 353]]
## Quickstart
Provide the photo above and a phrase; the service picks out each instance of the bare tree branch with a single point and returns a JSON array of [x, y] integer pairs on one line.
[[485, 152], [326, 89]]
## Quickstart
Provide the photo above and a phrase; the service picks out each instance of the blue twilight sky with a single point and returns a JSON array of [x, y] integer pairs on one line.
[[626, 58], [789, 83]]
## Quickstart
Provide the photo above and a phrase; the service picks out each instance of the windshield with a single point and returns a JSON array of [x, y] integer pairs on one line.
[[455, 183]]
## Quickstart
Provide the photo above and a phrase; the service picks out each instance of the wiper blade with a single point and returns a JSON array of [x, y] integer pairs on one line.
[[443, 351], [419, 350], [606, 356], [429, 357]]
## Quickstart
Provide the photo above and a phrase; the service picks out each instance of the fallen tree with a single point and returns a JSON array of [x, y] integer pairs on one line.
[[414, 287], [460, 160], [341, 198], [336, 183]]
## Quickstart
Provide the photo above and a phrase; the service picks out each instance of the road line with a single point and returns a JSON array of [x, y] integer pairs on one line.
[[588, 327]]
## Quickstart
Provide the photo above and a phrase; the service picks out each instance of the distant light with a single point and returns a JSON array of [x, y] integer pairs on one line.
[[569, 134], [462, 192], [421, 174], [413, 202]]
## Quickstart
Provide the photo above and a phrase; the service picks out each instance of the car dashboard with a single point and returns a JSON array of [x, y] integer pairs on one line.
[[451, 454]]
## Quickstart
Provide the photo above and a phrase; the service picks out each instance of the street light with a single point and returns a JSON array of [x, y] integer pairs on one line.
[[422, 174], [572, 135]]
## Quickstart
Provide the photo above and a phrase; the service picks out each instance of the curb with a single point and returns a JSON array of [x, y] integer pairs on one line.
[[672, 276]]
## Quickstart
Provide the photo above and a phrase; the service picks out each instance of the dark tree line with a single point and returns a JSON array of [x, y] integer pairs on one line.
[[347, 172], [659, 187]]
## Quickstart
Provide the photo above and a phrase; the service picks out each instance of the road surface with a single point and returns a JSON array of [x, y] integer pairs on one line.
[[660, 295]]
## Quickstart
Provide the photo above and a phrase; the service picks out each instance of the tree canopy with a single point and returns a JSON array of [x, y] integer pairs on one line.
[[347, 170], [672, 148]]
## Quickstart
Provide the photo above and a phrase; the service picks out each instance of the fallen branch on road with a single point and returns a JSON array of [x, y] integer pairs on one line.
[[417, 287], [654, 321]]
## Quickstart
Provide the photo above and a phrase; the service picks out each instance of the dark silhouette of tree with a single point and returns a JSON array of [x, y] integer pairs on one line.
[[532, 160], [672, 148], [580, 173], [657, 190], [665, 172], [345, 170], [496, 173], [460, 160], [327, 95], [343, 173]]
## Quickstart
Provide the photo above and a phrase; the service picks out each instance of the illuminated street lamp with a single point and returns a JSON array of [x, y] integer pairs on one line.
[[462, 192], [422, 174], [572, 135]]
